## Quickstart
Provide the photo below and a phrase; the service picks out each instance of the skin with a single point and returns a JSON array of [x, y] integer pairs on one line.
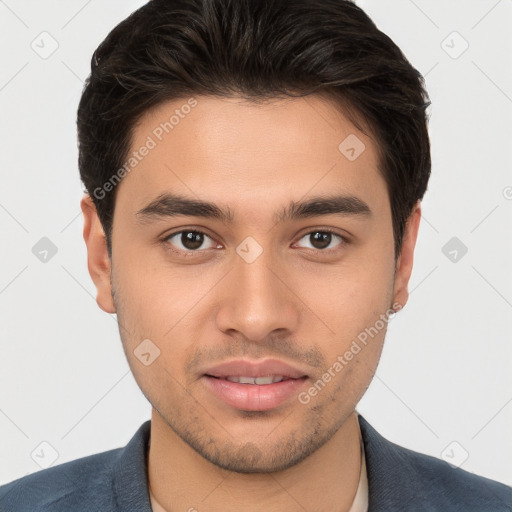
[[296, 302]]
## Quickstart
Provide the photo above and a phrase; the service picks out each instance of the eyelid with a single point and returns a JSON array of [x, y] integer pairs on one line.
[[345, 240], [165, 240]]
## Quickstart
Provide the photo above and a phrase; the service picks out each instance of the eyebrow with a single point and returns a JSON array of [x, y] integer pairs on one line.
[[172, 205]]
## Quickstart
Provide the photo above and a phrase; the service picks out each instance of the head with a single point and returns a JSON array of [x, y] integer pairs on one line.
[[254, 172]]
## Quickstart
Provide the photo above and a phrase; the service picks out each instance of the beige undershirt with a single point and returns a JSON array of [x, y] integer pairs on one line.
[[360, 503]]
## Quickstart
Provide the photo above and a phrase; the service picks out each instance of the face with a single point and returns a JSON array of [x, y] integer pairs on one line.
[[287, 275]]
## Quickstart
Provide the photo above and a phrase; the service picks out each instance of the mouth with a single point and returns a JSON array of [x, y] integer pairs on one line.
[[254, 386], [260, 381]]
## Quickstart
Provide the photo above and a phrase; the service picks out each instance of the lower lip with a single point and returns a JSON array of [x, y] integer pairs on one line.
[[254, 397]]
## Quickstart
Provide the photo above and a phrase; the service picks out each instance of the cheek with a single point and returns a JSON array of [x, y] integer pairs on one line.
[[155, 304], [354, 296], [352, 362], [151, 299], [355, 304]]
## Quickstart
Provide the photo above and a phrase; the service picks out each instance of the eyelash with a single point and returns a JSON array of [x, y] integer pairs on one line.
[[343, 241]]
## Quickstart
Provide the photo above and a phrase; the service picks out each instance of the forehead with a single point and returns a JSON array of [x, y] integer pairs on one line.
[[225, 149]]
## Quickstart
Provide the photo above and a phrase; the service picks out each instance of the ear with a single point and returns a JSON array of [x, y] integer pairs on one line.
[[406, 257], [98, 261]]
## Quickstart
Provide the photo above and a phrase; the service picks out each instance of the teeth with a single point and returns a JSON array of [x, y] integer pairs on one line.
[[257, 380]]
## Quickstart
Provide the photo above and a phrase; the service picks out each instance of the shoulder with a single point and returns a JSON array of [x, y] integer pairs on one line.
[[115, 480], [455, 487], [68, 486], [402, 479]]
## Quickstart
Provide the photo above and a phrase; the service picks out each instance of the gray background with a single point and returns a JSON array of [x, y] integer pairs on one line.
[[444, 385]]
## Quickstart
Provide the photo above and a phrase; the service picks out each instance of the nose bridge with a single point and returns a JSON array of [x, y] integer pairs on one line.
[[255, 301]]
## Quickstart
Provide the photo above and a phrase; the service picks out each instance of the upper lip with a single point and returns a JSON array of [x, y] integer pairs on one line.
[[247, 368]]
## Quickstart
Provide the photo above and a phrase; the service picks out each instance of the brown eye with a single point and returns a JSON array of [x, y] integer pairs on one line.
[[188, 240], [322, 240]]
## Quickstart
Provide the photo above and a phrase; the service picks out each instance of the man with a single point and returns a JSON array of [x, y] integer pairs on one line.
[[255, 172]]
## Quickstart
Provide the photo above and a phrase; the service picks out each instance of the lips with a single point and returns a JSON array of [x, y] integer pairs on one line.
[[254, 385], [256, 369]]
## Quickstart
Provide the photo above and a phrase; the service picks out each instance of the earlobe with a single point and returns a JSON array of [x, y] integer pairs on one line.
[[405, 260], [98, 261]]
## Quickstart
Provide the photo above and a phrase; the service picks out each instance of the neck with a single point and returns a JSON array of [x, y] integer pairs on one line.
[[182, 480]]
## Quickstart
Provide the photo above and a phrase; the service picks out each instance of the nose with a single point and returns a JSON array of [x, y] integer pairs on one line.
[[257, 300]]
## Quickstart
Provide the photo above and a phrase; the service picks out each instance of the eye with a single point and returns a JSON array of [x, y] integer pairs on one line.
[[322, 239], [188, 240]]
